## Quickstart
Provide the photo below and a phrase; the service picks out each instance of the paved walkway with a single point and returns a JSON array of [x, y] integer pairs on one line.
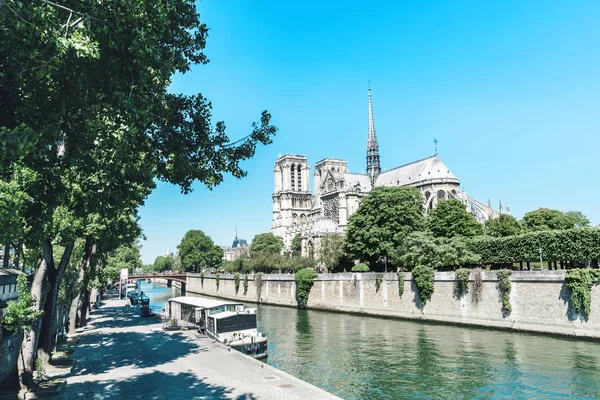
[[124, 357]]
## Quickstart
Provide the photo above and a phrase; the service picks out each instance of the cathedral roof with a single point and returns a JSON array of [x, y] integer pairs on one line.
[[325, 226], [361, 182], [417, 173], [239, 243]]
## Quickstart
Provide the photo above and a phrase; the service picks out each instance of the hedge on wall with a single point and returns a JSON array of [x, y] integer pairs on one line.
[[304, 282], [578, 244]]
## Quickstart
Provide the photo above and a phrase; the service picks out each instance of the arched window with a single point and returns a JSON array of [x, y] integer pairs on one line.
[[293, 176], [299, 178]]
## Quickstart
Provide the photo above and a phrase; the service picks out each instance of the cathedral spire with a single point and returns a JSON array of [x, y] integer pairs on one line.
[[373, 166]]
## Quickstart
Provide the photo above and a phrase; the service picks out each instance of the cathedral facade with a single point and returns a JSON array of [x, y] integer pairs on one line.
[[338, 192]]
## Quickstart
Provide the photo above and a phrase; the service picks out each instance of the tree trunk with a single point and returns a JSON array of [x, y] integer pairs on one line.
[[82, 282], [18, 253], [49, 326], [26, 362], [6, 259], [85, 303]]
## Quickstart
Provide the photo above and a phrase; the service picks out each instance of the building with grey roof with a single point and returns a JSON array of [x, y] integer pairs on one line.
[[338, 192]]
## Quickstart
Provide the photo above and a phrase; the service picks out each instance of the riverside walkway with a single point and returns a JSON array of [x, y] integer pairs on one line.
[[124, 357]]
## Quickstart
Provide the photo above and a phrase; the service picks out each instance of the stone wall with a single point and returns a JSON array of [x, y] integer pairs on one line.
[[9, 351], [539, 299]]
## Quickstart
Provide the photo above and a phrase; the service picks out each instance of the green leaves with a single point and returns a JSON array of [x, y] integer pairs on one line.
[[504, 225], [580, 282], [20, 314], [578, 244], [504, 287], [304, 282], [198, 251], [421, 248], [266, 243], [423, 277], [461, 284], [331, 252], [450, 218], [163, 263], [548, 219], [382, 222], [297, 245]]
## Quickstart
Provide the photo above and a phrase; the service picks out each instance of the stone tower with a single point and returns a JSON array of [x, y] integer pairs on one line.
[[373, 166], [292, 198]]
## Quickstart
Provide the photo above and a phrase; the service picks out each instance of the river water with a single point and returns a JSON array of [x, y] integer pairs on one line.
[[358, 357]]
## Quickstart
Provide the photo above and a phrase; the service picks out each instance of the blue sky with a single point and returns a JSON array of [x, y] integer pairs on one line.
[[511, 89]]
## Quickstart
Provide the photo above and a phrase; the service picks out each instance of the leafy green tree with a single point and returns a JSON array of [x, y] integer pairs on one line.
[[177, 264], [422, 248], [547, 219], [266, 243], [450, 218], [102, 84], [297, 245], [197, 251], [578, 219], [265, 262], [163, 263], [125, 257], [19, 317], [331, 251], [504, 225], [382, 222]]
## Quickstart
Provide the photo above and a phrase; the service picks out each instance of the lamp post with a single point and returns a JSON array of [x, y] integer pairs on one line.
[[541, 261]]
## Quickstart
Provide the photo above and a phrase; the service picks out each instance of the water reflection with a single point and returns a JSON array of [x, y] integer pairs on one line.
[[357, 357]]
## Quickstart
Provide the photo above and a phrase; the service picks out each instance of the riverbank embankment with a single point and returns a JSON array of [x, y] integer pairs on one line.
[[540, 300], [122, 356]]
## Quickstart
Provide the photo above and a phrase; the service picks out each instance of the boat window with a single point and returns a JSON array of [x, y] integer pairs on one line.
[[236, 322]]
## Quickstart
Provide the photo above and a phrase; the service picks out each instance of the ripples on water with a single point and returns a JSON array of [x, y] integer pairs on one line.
[[357, 357]]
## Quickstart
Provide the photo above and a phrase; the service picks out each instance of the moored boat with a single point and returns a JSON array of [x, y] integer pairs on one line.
[[227, 322]]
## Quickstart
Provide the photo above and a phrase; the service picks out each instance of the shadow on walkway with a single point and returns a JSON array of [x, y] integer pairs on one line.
[[102, 351], [155, 385]]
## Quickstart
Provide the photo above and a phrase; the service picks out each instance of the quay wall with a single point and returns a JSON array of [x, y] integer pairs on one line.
[[539, 299], [9, 352]]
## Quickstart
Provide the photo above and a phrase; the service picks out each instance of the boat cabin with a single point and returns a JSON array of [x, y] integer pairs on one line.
[[229, 321], [194, 311]]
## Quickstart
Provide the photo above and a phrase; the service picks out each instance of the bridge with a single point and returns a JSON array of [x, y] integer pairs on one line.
[[168, 276]]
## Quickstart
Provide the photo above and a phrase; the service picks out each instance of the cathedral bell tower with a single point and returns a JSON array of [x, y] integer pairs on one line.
[[373, 166]]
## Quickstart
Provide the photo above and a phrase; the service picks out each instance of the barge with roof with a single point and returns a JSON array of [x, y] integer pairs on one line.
[[225, 321]]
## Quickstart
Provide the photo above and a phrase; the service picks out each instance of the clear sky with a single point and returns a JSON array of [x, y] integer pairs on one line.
[[511, 90]]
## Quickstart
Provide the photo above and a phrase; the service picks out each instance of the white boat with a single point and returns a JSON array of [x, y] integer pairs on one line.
[[227, 322]]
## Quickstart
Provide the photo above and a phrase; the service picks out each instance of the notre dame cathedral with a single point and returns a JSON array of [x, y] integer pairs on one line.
[[338, 192]]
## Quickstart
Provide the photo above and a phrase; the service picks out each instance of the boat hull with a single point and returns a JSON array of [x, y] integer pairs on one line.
[[256, 350]]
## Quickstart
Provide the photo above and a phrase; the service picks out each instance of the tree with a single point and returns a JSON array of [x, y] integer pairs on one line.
[[383, 220], [450, 218], [297, 245], [197, 251], [422, 248], [546, 219], [578, 219], [126, 257], [102, 83], [266, 243], [504, 225], [265, 262], [331, 251], [162, 264]]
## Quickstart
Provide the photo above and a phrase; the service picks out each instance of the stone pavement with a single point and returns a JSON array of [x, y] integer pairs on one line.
[[122, 356]]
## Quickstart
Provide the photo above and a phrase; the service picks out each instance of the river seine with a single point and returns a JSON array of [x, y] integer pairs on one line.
[[357, 357]]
